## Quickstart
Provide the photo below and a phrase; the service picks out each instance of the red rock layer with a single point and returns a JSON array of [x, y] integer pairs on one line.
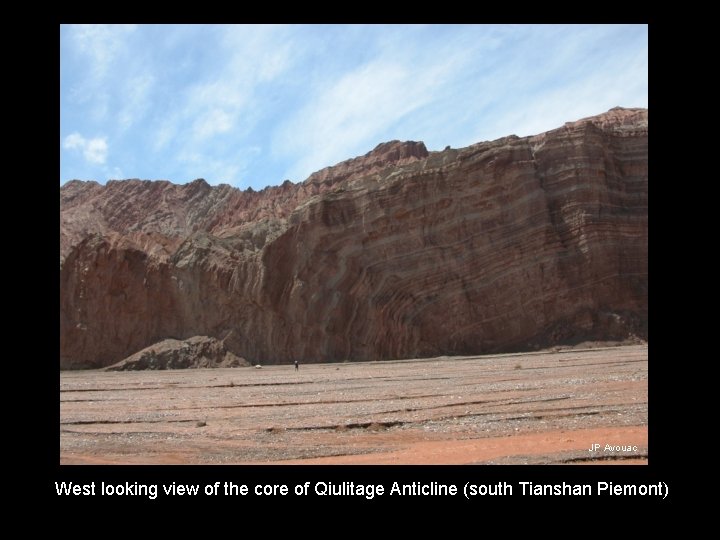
[[506, 245]]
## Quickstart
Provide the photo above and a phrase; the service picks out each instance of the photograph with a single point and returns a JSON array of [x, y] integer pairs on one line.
[[354, 244]]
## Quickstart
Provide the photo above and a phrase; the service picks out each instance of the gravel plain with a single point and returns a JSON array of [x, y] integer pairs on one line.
[[529, 408]]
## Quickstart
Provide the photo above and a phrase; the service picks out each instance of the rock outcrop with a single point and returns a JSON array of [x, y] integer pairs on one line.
[[195, 352], [512, 244]]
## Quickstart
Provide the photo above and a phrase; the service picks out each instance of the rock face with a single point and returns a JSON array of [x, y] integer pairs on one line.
[[513, 244], [195, 352]]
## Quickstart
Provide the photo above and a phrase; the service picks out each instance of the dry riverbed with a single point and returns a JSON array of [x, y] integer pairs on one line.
[[529, 408]]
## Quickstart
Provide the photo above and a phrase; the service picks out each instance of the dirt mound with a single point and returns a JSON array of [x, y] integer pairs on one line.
[[195, 352]]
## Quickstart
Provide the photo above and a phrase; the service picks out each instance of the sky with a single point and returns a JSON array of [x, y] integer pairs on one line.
[[252, 106]]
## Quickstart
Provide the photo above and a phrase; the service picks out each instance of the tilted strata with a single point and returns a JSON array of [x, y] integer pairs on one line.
[[506, 245]]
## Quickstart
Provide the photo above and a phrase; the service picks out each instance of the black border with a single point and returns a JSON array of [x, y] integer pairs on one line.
[[662, 443]]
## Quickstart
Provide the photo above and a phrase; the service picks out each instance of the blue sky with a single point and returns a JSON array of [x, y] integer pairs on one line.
[[253, 106]]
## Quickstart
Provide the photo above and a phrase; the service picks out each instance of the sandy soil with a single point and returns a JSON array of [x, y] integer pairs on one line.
[[537, 408]]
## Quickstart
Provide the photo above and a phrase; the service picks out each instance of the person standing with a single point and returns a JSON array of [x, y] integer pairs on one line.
[[296, 365]]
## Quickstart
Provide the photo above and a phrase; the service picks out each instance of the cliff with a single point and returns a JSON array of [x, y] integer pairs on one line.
[[506, 245]]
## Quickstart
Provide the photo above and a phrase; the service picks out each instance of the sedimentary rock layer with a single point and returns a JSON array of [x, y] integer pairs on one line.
[[505, 245]]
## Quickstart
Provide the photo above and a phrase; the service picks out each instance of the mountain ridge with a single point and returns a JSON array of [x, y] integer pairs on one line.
[[330, 268]]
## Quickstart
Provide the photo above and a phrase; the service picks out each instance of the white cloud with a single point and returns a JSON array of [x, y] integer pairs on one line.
[[165, 133], [186, 101], [136, 99], [248, 56], [96, 150], [548, 94], [212, 123], [257, 52], [206, 123], [350, 115], [93, 150], [103, 43], [215, 171], [74, 141], [110, 77]]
